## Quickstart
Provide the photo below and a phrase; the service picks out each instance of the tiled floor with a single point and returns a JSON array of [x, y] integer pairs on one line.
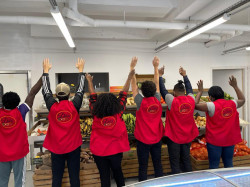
[[29, 180]]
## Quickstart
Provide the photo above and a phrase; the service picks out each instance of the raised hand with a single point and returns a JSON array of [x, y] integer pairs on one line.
[[182, 72], [46, 65], [232, 81], [89, 77], [161, 71], [156, 62], [80, 64], [133, 63], [200, 85]]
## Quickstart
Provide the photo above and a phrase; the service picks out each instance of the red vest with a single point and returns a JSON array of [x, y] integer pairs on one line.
[[109, 136], [13, 136], [149, 128], [64, 133], [223, 129], [180, 125]]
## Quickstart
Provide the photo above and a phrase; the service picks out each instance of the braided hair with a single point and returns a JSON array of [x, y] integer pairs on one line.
[[106, 105], [179, 87]]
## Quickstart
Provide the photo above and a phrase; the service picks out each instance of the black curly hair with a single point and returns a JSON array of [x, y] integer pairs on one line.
[[179, 87], [11, 100], [106, 105], [216, 92], [148, 88]]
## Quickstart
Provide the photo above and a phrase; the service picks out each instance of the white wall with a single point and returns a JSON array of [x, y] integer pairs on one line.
[[20, 52]]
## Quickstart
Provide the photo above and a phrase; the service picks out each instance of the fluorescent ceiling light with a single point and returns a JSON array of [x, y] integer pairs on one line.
[[61, 24], [202, 29], [248, 48]]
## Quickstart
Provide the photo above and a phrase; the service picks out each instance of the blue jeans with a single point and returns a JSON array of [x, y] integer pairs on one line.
[[217, 152]]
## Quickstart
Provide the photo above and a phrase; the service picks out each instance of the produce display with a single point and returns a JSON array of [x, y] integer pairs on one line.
[[86, 156], [162, 101], [40, 129], [130, 122], [130, 101], [199, 150], [86, 126], [200, 121], [227, 96]]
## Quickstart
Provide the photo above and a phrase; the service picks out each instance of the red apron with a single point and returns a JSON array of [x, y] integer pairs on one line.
[[64, 133], [223, 129], [13, 136], [149, 128], [109, 136], [180, 125]]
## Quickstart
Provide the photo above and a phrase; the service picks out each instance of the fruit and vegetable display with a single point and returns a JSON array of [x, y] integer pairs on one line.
[[227, 96], [86, 156], [162, 101], [130, 122], [41, 129], [130, 101], [86, 126], [200, 121], [199, 150]]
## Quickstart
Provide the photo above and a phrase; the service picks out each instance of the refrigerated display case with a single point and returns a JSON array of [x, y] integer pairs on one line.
[[226, 177]]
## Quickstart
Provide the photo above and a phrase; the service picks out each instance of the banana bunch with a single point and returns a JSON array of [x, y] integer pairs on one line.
[[130, 101], [130, 122], [86, 126]]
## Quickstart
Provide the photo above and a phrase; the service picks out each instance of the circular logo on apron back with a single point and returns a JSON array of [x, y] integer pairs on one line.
[[63, 116], [108, 122], [152, 109], [185, 108], [8, 121], [227, 112]]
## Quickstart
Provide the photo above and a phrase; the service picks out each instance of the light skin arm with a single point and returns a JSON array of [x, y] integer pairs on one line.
[[200, 106], [133, 81], [46, 66], [90, 83], [156, 63], [127, 83], [241, 98]]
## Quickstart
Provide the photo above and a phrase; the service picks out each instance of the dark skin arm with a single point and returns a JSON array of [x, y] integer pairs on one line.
[[200, 106], [241, 98], [34, 90]]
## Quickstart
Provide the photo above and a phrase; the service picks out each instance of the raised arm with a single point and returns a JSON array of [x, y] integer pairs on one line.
[[90, 83], [133, 81], [163, 89], [156, 63], [200, 106], [127, 83], [188, 86], [34, 90], [240, 95], [47, 93], [77, 101]]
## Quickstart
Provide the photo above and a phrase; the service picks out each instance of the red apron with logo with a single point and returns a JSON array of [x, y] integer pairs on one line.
[[13, 136], [109, 136], [223, 129], [149, 128], [180, 125], [64, 133]]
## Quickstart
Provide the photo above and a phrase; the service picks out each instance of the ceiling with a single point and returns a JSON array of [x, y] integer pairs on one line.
[[183, 13]]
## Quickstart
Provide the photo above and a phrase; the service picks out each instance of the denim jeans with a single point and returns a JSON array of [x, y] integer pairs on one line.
[[217, 152]]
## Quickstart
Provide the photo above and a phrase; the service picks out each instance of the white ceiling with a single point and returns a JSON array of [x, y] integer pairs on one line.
[[164, 11]]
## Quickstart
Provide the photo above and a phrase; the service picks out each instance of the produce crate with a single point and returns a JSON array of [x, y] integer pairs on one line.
[[130, 165], [37, 124], [239, 161], [89, 174]]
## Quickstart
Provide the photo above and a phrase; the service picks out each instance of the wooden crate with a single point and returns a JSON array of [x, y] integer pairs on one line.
[[239, 161]]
